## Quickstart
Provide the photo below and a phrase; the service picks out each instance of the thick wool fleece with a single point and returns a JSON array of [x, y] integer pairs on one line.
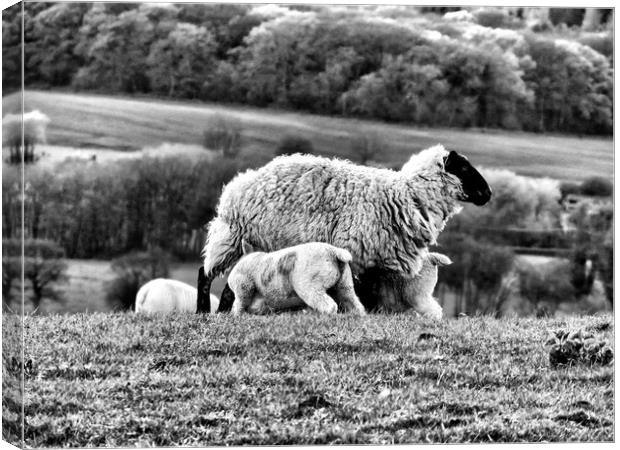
[[383, 217], [294, 277], [163, 295]]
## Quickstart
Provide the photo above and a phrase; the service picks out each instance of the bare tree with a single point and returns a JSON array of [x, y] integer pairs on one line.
[[33, 124], [223, 134]]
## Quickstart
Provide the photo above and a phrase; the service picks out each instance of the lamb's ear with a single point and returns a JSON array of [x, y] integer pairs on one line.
[[439, 259], [246, 247]]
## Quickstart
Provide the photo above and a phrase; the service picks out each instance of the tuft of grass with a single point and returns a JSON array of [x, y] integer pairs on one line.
[[120, 379], [12, 367], [574, 347]]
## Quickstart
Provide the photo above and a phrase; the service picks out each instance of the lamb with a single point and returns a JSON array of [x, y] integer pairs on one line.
[[385, 218], [292, 278], [392, 292], [163, 295]]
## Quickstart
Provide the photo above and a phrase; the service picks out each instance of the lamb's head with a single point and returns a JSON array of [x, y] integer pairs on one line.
[[475, 188]]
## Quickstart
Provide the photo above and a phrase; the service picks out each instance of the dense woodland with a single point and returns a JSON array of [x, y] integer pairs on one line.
[[492, 68]]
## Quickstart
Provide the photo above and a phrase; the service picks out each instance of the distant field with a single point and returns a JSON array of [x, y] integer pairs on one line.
[[51, 155], [121, 380], [86, 287], [122, 123]]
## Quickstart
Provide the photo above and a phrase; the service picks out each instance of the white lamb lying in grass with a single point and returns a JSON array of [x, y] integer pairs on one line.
[[292, 278], [164, 295]]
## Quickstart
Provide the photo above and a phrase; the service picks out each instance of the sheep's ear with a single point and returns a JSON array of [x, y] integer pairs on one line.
[[450, 159], [246, 247]]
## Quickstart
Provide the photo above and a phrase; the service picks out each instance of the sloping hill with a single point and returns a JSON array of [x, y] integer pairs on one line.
[[121, 380], [98, 121]]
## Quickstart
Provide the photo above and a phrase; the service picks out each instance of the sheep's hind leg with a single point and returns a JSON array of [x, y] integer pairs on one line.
[[203, 287], [345, 293], [226, 299]]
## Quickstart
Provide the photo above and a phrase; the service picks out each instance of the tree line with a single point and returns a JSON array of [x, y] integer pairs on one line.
[[103, 210], [390, 64], [485, 273]]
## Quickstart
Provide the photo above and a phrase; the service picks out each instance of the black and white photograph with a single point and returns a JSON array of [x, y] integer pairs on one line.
[[255, 224]]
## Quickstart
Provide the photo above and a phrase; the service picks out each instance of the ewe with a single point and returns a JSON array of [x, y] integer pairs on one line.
[[391, 292], [294, 277], [165, 295], [385, 218]]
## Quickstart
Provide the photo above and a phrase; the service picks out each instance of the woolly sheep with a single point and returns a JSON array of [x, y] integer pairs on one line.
[[385, 218], [292, 278], [164, 295], [392, 292]]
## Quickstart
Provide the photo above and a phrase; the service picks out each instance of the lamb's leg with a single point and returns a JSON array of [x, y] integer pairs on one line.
[[311, 283], [345, 293], [221, 251], [319, 300], [429, 307], [244, 291], [417, 294]]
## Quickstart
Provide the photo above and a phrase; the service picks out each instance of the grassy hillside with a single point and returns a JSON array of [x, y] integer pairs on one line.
[[126, 123], [124, 380]]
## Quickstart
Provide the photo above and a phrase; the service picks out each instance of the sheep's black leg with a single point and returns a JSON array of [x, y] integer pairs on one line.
[[204, 298], [367, 288], [204, 289], [226, 299]]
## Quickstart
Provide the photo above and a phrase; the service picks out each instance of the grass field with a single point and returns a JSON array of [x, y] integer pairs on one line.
[[124, 380], [122, 123]]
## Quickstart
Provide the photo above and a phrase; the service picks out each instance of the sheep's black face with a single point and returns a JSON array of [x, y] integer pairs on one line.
[[475, 187]]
